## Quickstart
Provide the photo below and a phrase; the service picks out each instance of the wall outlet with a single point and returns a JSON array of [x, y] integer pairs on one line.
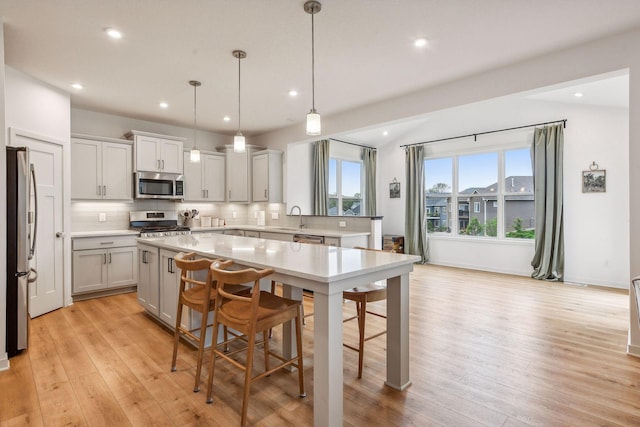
[[274, 215], [342, 223], [102, 217], [234, 214]]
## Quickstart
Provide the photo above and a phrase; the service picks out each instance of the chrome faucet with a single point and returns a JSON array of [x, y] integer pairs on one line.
[[299, 214]]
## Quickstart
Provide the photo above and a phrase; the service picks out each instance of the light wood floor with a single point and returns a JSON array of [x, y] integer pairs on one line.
[[486, 350]]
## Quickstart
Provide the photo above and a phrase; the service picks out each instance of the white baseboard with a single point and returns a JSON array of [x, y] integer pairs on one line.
[[4, 362]]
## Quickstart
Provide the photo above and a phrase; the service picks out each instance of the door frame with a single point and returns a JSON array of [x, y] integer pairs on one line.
[[14, 134]]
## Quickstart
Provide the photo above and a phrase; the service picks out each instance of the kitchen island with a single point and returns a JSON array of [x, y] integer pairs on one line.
[[327, 271]]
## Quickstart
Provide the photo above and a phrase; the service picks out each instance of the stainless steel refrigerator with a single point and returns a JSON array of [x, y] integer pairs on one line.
[[21, 239]]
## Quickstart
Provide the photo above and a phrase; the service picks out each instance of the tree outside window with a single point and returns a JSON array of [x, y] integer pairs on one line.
[[345, 187]]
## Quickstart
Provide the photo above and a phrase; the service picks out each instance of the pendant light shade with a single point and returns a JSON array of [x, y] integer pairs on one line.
[[194, 154], [239, 144], [314, 126], [238, 140]]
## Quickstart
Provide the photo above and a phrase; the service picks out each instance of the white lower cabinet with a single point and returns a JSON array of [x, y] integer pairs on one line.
[[148, 282], [104, 264], [169, 283]]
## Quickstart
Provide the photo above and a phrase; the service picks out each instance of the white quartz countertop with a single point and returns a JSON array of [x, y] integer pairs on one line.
[[103, 233], [286, 230], [270, 229], [314, 262]]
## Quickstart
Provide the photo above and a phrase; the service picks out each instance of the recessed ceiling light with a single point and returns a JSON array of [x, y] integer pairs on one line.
[[113, 33], [421, 42], [578, 94], [77, 86], [164, 105], [226, 118], [385, 133], [293, 93]]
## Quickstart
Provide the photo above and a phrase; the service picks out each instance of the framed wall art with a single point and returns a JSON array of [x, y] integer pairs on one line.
[[594, 180], [394, 189]]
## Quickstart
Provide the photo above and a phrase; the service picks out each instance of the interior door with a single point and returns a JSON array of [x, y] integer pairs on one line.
[[46, 291]]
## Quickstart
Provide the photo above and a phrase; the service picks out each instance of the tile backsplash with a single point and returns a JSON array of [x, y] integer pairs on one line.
[[85, 216]]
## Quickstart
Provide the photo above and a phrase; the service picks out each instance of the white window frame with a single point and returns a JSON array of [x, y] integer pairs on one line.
[[339, 195], [499, 194]]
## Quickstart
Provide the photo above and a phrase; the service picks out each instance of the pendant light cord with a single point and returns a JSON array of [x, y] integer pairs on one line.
[[239, 59], [313, 67], [195, 115]]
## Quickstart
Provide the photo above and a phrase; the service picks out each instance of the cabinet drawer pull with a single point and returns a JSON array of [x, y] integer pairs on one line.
[[106, 243]]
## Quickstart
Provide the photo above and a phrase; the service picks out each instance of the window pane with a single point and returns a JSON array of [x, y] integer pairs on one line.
[[351, 206], [351, 179], [478, 216], [333, 206], [478, 173], [519, 215], [333, 178], [438, 212], [517, 171], [438, 175]]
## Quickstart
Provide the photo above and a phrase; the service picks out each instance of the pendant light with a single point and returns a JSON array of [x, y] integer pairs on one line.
[[194, 155], [313, 118], [238, 140]]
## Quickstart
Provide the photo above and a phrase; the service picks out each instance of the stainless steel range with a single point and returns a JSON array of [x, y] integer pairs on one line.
[[156, 223]]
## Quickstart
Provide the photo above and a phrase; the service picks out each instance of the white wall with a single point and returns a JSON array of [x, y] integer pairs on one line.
[[40, 109]]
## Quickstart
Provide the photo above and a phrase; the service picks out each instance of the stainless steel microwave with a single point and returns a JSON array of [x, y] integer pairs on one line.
[[152, 185]]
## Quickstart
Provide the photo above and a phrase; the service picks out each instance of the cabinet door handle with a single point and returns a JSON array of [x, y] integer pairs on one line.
[[99, 190], [143, 257], [109, 257], [203, 194], [104, 192], [207, 193], [105, 258], [163, 165], [265, 193]]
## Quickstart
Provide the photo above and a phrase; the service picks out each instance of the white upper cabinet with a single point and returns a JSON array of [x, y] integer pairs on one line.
[[101, 168], [267, 176], [157, 153], [238, 175], [205, 180]]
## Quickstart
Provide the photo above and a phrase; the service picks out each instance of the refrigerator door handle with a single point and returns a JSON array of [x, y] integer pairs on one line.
[[32, 250]]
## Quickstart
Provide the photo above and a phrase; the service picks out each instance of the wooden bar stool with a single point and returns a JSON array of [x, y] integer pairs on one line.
[[199, 296], [250, 315], [361, 296]]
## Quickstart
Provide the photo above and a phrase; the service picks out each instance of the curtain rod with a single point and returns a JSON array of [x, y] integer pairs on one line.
[[352, 143], [475, 135]]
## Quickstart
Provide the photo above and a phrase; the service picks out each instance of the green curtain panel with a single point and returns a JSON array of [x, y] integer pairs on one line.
[[415, 229], [548, 260], [320, 177], [369, 156]]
